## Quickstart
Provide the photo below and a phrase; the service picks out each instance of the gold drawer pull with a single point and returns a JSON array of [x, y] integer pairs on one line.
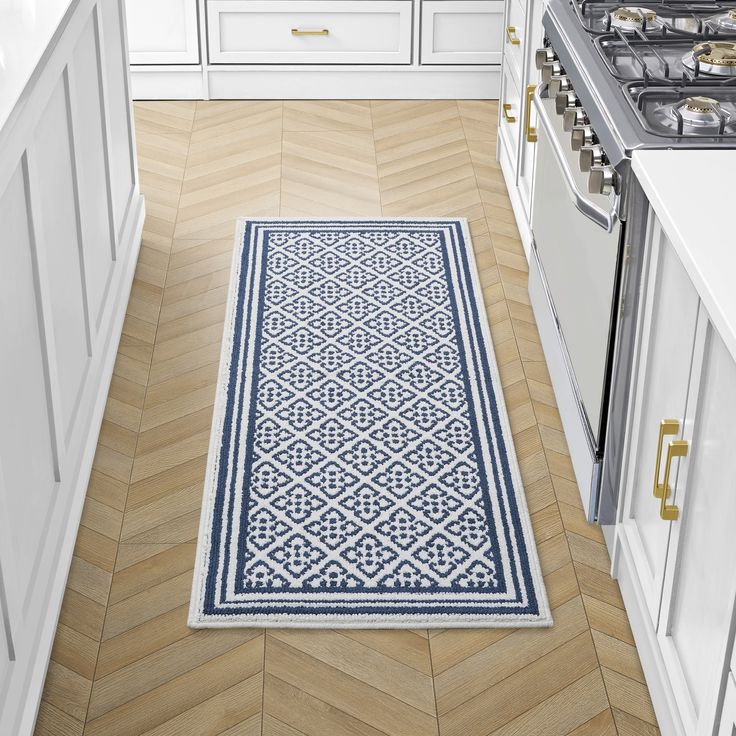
[[513, 38], [676, 448], [300, 32], [531, 133], [667, 427], [506, 110]]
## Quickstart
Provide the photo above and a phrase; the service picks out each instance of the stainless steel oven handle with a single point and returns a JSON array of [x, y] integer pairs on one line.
[[606, 220]]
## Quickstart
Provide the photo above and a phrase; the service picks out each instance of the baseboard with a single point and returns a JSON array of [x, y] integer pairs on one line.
[[334, 82], [34, 680]]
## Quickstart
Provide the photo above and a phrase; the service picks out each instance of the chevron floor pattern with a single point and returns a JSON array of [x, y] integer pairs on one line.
[[124, 661]]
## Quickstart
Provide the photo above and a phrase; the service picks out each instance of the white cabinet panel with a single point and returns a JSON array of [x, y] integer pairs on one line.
[[115, 80], [55, 213], [667, 340], [298, 32], [728, 716], [29, 481], [162, 32], [89, 145], [699, 586], [462, 31]]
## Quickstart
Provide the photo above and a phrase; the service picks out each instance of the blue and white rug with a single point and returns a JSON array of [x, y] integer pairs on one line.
[[361, 470]]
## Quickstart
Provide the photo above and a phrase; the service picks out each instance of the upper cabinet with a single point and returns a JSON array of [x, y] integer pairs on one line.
[[675, 546], [162, 32]]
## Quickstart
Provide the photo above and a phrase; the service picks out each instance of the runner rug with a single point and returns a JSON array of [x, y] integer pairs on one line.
[[361, 469]]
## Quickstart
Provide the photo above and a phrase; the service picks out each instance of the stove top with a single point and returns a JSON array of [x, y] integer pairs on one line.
[[651, 75]]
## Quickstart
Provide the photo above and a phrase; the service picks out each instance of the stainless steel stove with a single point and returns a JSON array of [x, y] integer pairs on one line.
[[616, 78]]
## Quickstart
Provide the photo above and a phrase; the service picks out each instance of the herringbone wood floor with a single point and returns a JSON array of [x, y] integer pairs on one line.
[[124, 661]]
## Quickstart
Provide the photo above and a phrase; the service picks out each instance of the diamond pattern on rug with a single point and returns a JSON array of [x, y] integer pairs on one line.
[[364, 469]]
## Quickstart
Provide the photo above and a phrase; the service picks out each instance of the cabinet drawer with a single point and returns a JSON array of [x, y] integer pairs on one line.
[[514, 40], [302, 32], [462, 32]]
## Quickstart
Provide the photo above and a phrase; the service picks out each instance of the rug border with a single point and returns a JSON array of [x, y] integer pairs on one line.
[[198, 620]]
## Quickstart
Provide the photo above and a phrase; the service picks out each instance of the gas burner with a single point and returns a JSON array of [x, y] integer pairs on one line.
[[697, 115], [634, 19], [716, 58], [724, 21]]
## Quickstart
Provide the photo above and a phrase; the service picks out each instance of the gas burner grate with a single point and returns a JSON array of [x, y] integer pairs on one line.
[[636, 57], [664, 19], [707, 113]]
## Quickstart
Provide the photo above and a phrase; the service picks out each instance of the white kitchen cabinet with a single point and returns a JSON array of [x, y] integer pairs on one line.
[[72, 217], [462, 31], [517, 154], [162, 32], [675, 547], [328, 49]]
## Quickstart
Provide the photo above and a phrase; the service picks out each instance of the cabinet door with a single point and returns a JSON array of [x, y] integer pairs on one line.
[[527, 154], [162, 32], [462, 31], [728, 715], [699, 587], [661, 382]]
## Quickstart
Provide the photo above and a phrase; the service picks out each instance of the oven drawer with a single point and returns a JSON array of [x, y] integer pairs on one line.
[[301, 32], [462, 31]]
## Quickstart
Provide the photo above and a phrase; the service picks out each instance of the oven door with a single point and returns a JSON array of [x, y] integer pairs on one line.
[[573, 279]]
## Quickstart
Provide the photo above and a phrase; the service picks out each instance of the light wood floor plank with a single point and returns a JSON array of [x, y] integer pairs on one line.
[[124, 661]]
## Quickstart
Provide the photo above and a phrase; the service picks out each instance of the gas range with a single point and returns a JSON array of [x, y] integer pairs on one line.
[[616, 78], [624, 77]]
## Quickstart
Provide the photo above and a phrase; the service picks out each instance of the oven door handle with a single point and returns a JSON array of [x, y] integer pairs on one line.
[[606, 220]]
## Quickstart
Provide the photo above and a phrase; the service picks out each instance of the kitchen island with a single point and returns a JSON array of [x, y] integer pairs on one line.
[[72, 218]]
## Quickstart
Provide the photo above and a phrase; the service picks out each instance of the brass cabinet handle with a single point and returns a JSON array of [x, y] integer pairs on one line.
[[506, 109], [531, 133], [676, 448], [667, 427], [300, 32], [513, 38]]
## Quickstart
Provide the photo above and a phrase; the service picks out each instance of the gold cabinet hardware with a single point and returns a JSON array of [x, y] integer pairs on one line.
[[667, 427], [676, 448], [300, 32], [506, 110], [513, 38], [531, 133]]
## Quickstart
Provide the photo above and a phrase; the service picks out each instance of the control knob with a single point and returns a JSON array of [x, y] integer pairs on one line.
[[602, 179], [573, 116], [559, 84], [544, 56], [551, 69], [582, 135], [565, 101], [591, 156]]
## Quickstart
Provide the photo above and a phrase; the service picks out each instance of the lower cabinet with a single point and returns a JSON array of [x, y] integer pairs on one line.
[[675, 551], [162, 32], [462, 31]]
